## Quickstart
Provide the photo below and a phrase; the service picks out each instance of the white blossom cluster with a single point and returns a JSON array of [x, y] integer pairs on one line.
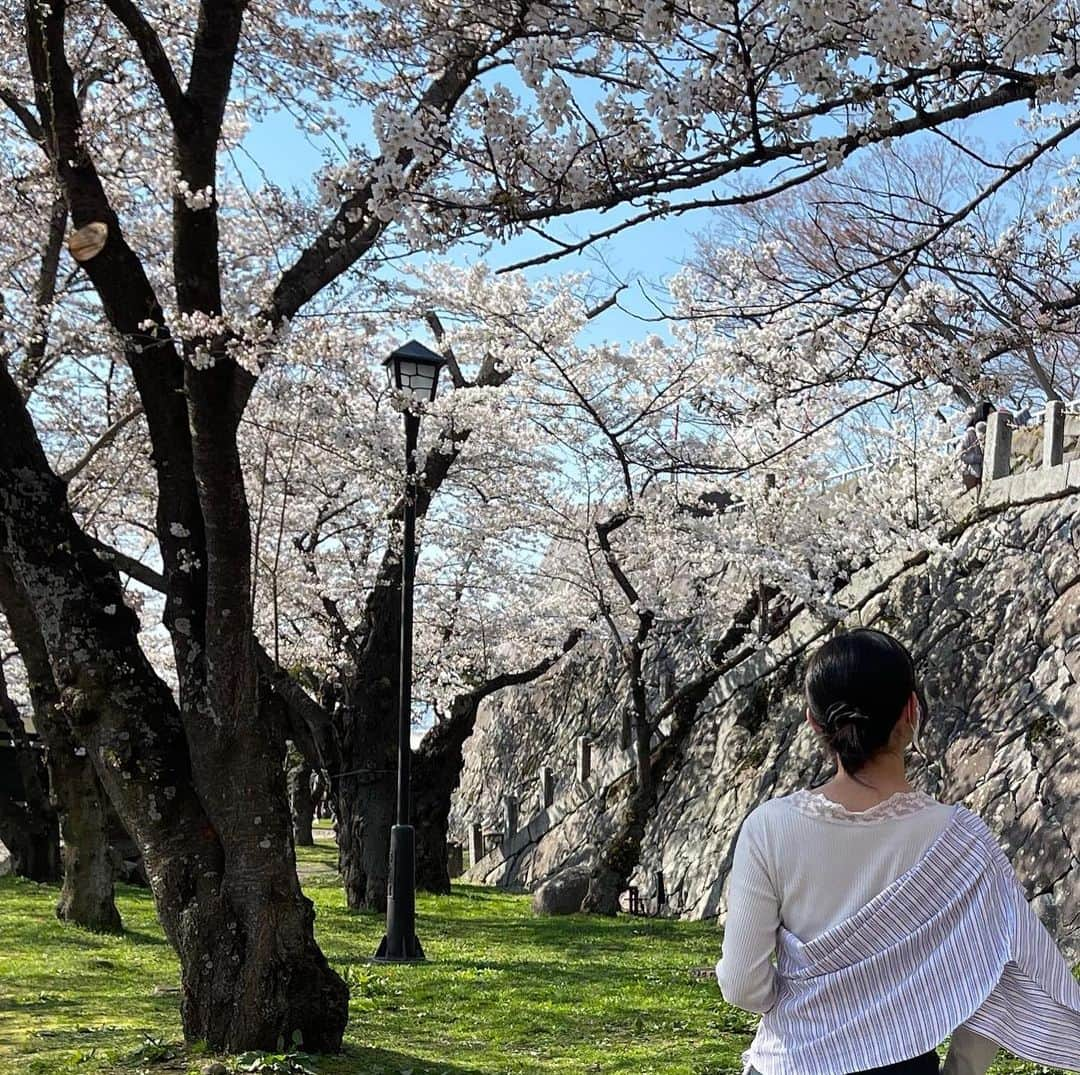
[[836, 332]]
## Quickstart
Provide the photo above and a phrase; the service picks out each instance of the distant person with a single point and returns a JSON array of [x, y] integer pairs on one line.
[[896, 919], [971, 452], [320, 793]]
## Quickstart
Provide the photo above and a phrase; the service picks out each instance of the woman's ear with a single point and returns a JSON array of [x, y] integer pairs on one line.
[[810, 720]]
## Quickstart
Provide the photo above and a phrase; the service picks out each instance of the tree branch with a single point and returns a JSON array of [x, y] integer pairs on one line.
[[106, 438], [23, 114], [156, 60]]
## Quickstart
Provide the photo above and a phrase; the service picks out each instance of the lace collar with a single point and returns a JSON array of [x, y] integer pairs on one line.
[[899, 804]]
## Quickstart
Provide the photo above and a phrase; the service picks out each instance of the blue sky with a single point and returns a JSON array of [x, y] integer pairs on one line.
[[652, 250]]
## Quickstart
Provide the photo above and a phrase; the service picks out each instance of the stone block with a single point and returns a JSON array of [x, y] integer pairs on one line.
[[538, 826], [998, 448], [1073, 480], [584, 758], [997, 492], [1038, 483], [1054, 433], [517, 843], [1061, 621], [476, 843]]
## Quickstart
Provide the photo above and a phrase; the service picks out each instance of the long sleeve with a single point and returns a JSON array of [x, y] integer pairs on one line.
[[746, 975], [969, 1053]]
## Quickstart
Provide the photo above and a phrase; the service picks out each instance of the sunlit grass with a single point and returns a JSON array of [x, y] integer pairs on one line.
[[502, 993]]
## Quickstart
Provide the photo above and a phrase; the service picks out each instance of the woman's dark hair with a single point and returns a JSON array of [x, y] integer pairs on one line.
[[857, 685]]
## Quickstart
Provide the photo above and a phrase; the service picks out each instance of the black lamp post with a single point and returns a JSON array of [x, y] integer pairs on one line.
[[413, 370]]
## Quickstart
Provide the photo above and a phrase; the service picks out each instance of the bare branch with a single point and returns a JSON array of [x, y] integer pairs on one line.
[[106, 438]]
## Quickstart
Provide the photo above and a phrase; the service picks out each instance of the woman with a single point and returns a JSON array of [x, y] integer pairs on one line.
[[896, 918]]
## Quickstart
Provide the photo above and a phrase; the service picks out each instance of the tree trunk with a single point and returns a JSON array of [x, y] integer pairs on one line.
[[437, 766], [86, 897], [613, 869], [287, 985], [619, 858], [436, 776], [251, 973], [28, 822], [431, 803], [366, 805], [301, 802], [366, 726]]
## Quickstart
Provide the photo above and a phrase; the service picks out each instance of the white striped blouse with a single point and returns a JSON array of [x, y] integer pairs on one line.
[[950, 943]]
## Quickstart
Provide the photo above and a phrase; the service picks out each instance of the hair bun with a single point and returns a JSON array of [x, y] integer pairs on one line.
[[844, 713]]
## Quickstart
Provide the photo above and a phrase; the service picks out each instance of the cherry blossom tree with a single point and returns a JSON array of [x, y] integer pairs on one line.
[[329, 570], [477, 122], [692, 479], [855, 240], [32, 341]]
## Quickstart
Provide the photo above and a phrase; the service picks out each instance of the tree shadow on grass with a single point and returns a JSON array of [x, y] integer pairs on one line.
[[572, 935], [532, 975], [359, 1060]]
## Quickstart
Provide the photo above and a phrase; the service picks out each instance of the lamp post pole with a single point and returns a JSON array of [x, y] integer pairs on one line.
[[400, 944], [408, 577], [414, 372]]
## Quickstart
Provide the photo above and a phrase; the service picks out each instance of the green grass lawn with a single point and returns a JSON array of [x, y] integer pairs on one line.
[[503, 993]]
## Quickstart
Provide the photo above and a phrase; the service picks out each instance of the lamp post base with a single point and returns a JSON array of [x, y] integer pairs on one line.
[[400, 943]]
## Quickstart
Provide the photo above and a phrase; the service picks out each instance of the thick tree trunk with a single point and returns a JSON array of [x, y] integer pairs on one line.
[[287, 984], [366, 805], [436, 777], [366, 726], [437, 766], [86, 897], [431, 803], [301, 803], [251, 973]]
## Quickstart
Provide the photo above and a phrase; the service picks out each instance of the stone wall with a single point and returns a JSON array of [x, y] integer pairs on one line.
[[994, 622]]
